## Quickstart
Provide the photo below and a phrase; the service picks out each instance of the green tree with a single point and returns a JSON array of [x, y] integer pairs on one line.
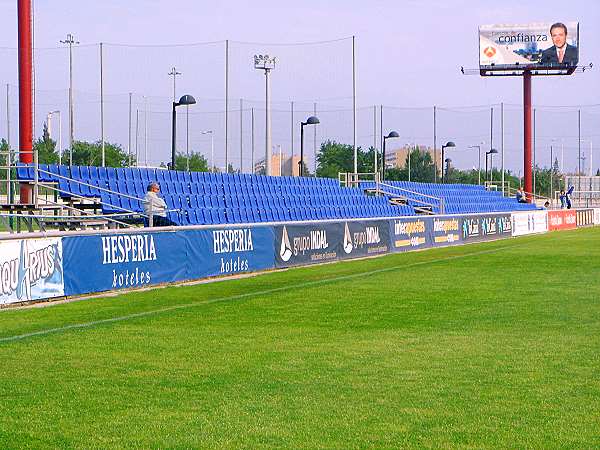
[[46, 148], [90, 154], [334, 158], [197, 162]]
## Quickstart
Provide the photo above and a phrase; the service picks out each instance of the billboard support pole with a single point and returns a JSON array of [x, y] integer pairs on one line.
[[527, 133]]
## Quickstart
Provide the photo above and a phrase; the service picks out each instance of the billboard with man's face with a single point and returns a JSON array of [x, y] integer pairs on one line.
[[541, 45]]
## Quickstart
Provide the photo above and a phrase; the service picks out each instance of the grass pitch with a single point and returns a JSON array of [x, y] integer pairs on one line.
[[487, 345]]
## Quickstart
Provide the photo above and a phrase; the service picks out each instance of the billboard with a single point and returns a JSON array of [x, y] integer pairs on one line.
[[562, 219], [307, 243], [365, 238], [537, 45], [31, 269], [477, 228], [410, 234], [529, 222]]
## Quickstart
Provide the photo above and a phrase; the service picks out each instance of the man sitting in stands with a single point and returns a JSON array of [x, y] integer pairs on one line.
[[155, 207], [521, 198]]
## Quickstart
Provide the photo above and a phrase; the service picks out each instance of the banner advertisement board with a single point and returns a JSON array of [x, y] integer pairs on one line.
[[307, 243], [229, 251], [596, 216], [477, 228], [410, 234], [446, 231], [365, 238], [31, 269], [535, 45], [562, 219], [585, 217], [529, 222]]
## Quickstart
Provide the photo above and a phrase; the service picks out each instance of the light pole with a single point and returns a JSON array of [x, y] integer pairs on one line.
[[70, 41], [551, 196], [312, 120], [478, 147], [447, 161], [391, 135], [266, 63], [212, 149], [448, 144], [49, 122], [492, 152], [183, 101]]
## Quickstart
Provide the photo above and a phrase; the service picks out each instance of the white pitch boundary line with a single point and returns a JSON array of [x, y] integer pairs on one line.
[[84, 325]]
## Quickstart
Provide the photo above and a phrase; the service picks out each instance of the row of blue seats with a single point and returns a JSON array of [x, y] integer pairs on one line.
[[146, 175]]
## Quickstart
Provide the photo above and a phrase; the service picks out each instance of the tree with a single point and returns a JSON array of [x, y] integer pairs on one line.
[[90, 154], [334, 158], [197, 162], [46, 148]]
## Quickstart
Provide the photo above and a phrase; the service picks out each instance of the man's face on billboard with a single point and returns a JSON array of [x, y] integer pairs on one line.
[[559, 36]]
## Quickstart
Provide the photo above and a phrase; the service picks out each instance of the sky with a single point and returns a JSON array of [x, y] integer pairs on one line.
[[408, 58]]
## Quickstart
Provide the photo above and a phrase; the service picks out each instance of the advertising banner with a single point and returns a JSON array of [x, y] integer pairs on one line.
[[564, 219], [537, 45], [116, 261], [446, 231], [365, 238], [596, 216], [229, 251], [307, 243], [585, 217], [31, 269], [529, 222], [478, 228], [410, 234]]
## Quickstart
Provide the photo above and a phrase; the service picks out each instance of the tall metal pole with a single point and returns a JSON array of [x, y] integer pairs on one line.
[[435, 143], [102, 105], [241, 135], [551, 194], [491, 138], [534, 148], [502, 141], [145, 131], [70, 41], [252, 140], [227, 105], [174, 73], [375, 138], [267, 123], [579, 154], [301, 162], [8, 115], [187, 138], [129, 136], [527, 133], [137, 133], [382, 165], [354, 104], [315, 139], [292, 133]]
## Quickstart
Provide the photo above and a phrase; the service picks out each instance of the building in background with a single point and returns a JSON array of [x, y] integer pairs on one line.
[[396, 158], [282, 164]]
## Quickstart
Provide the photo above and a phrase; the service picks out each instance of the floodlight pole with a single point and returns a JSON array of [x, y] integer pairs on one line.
[[25, 147], [266, 63], [527, 134]]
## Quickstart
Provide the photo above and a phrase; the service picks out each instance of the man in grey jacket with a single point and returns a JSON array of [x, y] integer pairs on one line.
[[155, 207]]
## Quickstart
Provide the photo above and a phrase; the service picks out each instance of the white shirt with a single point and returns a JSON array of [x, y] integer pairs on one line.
[[154, 205]]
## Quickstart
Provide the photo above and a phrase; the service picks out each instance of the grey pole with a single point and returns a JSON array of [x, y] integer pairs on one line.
[[137, 128], [551, 195], [579, 154], [534, 167], [381, 133], [241, 135], [252, 140], [129, 136], [267, 123], [145, 131], [8, 115], [187, 137], [102, 105], [375, 138], [226, 105], [292, 134], [354, 104], [70, 41], [409, 152], [502, 141], [315, 139], [174, 73], [435, 144]]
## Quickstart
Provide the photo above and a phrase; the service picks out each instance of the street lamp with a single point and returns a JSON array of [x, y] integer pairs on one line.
[[312, 120], [266, 63], [392, 134], [492, 152], [449, 144], [183, 101], [447, 161], [478, 147], [212, 149], [70, 41], [49, 122]]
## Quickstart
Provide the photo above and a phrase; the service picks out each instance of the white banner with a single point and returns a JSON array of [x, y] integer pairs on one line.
[[31, 269], [529, 222], [596, 216]]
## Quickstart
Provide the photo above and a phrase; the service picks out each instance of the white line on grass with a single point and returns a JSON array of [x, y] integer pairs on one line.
[[153, 312]]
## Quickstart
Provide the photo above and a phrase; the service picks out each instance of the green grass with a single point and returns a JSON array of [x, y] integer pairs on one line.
[[480, 346]]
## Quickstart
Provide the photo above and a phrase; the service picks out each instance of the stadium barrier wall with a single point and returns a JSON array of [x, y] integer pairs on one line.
[[39, 268]]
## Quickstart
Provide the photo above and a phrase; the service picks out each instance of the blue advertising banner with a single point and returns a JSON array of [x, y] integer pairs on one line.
[[117, 261], [307, 243], [229, 251], [365, 238], [477, 228], [446, 231], [410, 233]]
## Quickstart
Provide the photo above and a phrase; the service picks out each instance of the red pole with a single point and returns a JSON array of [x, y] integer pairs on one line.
[[25, 93], [527, 133]]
